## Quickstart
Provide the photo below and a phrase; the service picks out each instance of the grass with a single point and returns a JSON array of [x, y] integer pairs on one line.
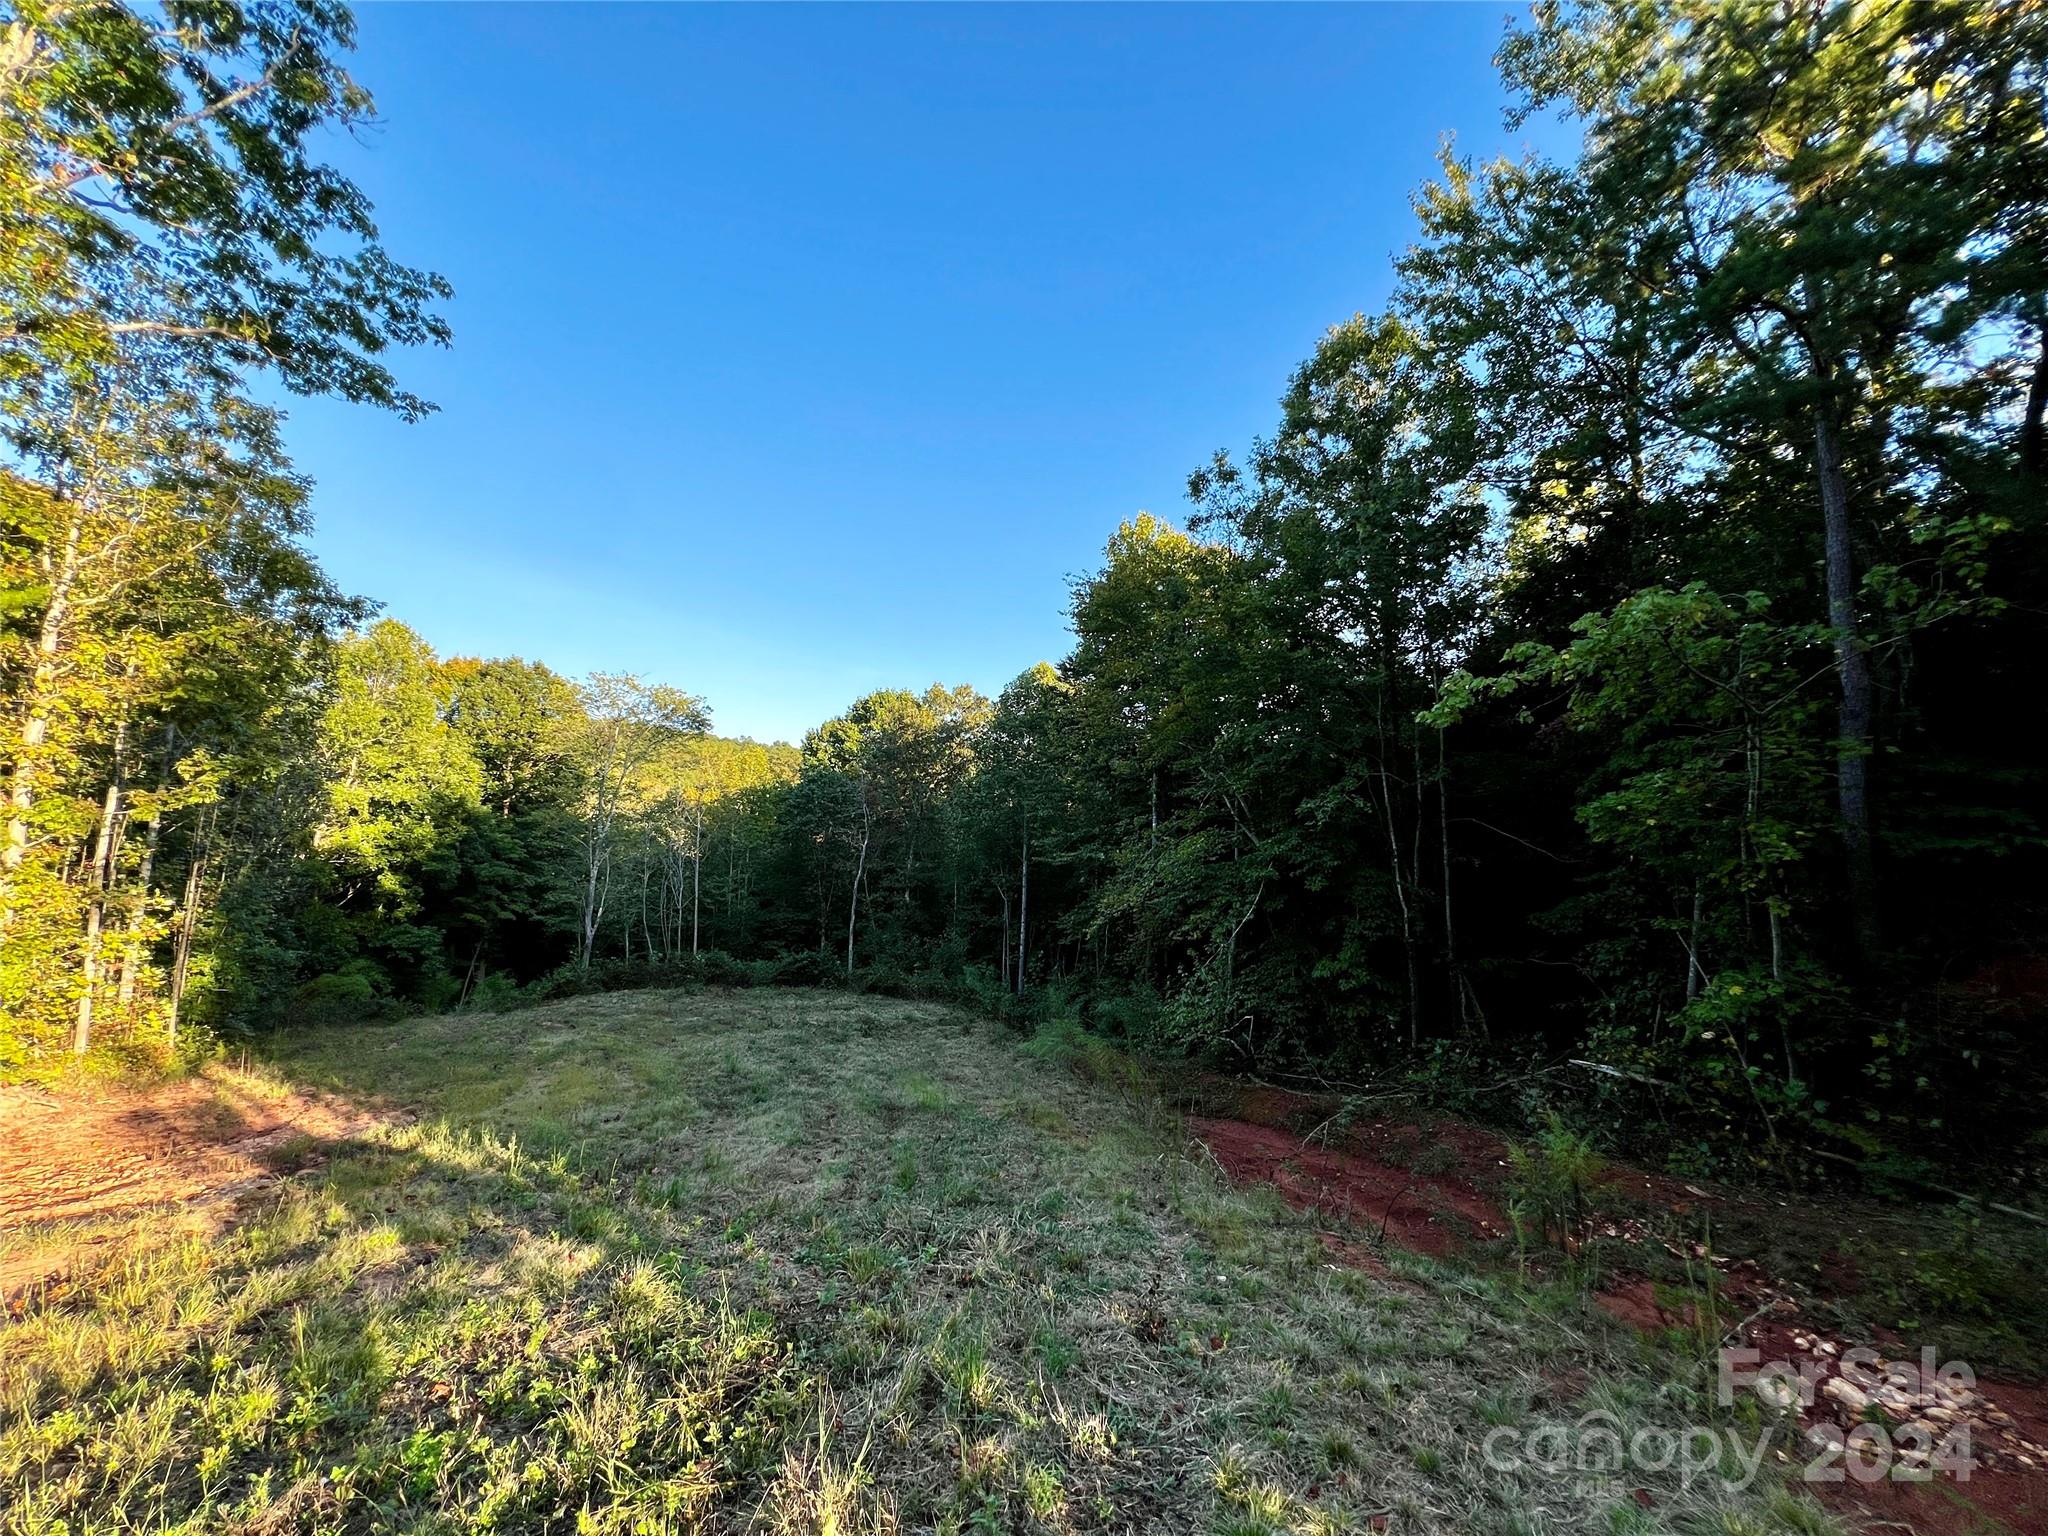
[[793, 1261]]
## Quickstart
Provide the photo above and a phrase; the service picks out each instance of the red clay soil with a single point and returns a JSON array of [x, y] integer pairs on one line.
[[1994, 1501], [72, 1165], [1477, 1157], [1989, 1504], [1428, 1213], [1635, 1302]]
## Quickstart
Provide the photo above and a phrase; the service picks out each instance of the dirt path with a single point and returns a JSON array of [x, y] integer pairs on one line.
[[74, 1168]]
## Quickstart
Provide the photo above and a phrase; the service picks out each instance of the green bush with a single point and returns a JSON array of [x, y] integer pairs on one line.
[[356, 991], [496, 993], [1130, 1014], [1550, 1185], [795, 968]]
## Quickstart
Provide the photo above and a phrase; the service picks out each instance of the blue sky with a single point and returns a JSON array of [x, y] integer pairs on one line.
[[801, 351]]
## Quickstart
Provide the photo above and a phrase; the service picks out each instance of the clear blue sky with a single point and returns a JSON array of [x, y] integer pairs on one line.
[[801, 351]]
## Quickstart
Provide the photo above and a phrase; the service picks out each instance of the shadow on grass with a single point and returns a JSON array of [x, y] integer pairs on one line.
[[439, 1327]]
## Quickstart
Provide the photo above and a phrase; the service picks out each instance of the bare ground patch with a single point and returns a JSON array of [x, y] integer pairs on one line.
[[81, 1169]]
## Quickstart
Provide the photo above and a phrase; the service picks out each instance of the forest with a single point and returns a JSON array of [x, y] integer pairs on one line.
[[1612, 683]]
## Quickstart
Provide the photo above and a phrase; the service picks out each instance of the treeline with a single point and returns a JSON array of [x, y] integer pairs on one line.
[[166, 235], [1624, 649]]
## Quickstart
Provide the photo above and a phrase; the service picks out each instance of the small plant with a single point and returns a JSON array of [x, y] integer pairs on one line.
[[867, 1266], [922, 1092], [906, 1167], [1276, 1407], [1044, 1492], [1550, 1185], [1058, 1355], [972, 1378]]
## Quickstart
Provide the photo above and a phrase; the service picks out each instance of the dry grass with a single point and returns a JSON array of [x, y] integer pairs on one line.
[[793, 1262]]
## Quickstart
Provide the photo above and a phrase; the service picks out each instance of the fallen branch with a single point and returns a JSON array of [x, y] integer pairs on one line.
[[1634, 1077], [1939, 1189]]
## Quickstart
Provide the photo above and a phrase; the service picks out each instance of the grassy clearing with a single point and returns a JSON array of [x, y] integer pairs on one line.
[[797, 1262]]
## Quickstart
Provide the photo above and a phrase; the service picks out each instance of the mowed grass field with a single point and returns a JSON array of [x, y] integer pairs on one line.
[[799, 1261]]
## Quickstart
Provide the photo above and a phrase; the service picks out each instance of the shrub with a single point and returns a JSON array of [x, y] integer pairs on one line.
[[716, 968], [495, 993], [1124, 1014], [355, 991], [1550, 1183], [795, 968]]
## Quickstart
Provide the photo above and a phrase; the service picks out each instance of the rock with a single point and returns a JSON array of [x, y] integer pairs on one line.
[[1778, 1391], [1847, 1393]]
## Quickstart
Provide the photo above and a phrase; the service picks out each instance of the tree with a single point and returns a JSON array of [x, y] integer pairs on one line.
[[519, 719], [160, 193], [626, 723], [401, 785], [152, 574], [1842, 184], [878, 778], [1360, 531], [1019, 784]]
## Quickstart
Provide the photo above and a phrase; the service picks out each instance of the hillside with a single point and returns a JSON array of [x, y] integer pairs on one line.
[[794, 1261]]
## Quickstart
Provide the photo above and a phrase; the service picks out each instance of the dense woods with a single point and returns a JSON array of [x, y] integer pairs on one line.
[[1623, 649]]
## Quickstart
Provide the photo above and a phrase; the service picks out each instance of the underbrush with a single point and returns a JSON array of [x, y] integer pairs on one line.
[[800, 1261]]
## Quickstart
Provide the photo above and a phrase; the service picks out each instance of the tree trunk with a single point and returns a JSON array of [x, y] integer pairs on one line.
[[469, 976], [1695, 973], [2033, 447], [1003, 963], [188, 921], [1401, 896], [1443, 842], [99, 878], [1023, 903], [860, 869], [1852, 765], [131, 954], [696, 879], [1229, 1019], [35, 727], [593, 909], [1415, 848]]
